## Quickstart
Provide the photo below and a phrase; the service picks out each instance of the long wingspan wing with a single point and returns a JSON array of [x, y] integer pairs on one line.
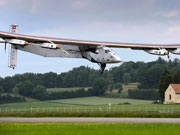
[[35, 39], [1, 41]]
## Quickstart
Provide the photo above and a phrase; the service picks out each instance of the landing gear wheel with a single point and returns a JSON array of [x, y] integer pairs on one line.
[[103, 66]]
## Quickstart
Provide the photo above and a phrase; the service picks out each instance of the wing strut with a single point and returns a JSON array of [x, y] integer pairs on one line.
[[65, 52]]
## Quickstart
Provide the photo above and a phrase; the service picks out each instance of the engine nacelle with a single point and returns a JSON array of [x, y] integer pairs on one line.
[[17, 42], [175, 51], [50, 46], [156, 52]]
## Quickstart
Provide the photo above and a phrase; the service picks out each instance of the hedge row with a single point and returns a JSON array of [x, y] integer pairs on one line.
[[95, 114]]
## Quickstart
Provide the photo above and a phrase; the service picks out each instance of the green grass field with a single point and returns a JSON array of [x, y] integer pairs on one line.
[[74, 104], [101, 101], [130, 86], [96, 108], [89, 104], [88, 129], [81, 101]]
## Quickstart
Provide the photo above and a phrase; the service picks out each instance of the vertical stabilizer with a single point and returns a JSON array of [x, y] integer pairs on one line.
[[12, 50]]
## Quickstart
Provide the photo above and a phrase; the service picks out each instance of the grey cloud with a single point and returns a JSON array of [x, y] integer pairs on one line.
[[115, 17], [135, 21], [173, 13], [85, 10]]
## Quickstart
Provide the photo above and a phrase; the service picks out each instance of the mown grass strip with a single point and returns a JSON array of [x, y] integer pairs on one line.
[[88, 129]]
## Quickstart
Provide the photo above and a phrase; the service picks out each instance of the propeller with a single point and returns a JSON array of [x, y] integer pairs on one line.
[[168, 55], [65, 52], [5, 46]]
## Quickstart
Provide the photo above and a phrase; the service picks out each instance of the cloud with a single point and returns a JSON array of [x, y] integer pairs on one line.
[[85, 10], [134, 21], [3, 2], [174, 13], [115, 32], [174, 29], [80, 4]]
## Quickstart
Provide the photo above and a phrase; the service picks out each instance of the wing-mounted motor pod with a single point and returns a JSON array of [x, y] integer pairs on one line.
[[174, 51], [156, 52], [50, 46], [17, 42]]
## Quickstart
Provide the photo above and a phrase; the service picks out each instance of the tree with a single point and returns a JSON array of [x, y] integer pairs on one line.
[[25, 88], [59, 82], [100, 86], [176, 78], [1, 90], [110, 81], [165, 80], [1, 78], [15, 91], [152, 76], [40, 92], [119, 87], [49, 80], [8, 84], [126, 78]]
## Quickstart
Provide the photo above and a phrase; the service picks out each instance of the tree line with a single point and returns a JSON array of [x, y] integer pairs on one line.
[[147, 74], [37, 91]]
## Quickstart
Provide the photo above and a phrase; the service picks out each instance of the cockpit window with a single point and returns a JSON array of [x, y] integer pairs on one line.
[[106, 51]]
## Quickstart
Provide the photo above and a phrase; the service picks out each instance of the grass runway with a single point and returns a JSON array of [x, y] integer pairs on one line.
[[88, 129]]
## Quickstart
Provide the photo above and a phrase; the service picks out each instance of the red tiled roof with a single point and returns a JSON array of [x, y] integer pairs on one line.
[[176, 88]]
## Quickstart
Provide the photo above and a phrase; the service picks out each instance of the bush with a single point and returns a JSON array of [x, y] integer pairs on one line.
[[70, 94], [95, 114], [145, 94], [126, 103], [7, 98]]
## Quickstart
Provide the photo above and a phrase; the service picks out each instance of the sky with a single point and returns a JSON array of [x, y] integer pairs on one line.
[[130, 21]]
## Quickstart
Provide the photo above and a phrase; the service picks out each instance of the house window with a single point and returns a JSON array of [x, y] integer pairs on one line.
[[170, 97]]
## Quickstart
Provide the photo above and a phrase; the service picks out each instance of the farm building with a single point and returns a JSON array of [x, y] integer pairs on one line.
[[172, 94]]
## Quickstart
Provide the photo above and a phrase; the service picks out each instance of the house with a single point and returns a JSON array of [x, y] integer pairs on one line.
[[172, 94]]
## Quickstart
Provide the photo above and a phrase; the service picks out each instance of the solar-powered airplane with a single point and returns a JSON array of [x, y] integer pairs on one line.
[[97, 52]]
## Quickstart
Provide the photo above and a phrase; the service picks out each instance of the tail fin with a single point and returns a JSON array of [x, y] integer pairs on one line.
[[12, 50]]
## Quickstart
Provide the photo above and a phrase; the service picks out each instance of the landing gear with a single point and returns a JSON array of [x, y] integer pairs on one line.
[[168, 55], [102, 66]]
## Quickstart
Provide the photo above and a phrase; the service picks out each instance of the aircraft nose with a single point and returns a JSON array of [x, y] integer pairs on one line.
[[117, 59]]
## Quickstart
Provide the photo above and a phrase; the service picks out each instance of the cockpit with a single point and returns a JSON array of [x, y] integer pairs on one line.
[[113, 56], [107, 51]]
